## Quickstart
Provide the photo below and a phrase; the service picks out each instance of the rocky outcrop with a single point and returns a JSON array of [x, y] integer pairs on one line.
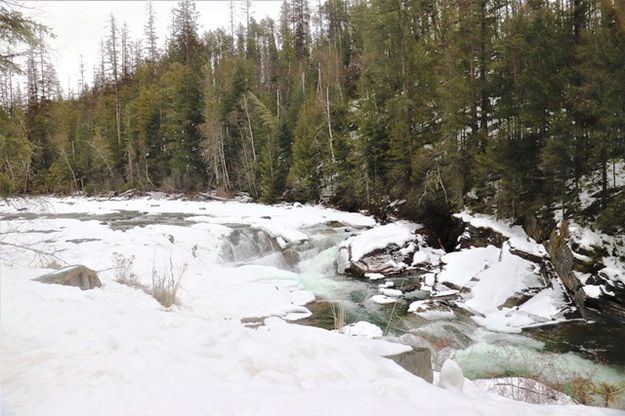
[[480, 237], [417, 361], [565, 264], [78, 275], [539, 228]]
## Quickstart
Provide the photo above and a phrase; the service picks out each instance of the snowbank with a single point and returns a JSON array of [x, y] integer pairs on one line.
[[116, 351]]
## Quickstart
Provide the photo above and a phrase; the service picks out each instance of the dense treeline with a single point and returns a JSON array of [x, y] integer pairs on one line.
[[503, 105]]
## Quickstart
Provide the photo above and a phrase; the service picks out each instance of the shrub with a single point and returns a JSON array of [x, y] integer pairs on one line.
[[165, 284]]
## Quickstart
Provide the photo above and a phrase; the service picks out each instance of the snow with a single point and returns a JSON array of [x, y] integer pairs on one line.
[[430, 310], [362, 329], [588, 239], [451, 376], [382, 299], [591, 184], [489, 276], [462, 266], [398, 233], [523, 389], [394, 293], [374, 276], [115, 350], [510, 275], [594, 291], [427, 255]]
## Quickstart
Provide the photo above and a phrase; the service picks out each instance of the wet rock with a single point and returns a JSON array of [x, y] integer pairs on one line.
[[418, 361], [291, 257], [77, 275]]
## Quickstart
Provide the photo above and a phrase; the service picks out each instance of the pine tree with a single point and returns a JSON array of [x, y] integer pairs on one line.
[[151, 37]]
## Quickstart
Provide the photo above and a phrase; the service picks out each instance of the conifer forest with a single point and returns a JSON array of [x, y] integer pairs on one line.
[[496, 104]]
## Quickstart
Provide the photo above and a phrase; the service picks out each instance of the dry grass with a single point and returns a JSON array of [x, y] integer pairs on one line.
[[339, 315], [165, 284], [123, 270]]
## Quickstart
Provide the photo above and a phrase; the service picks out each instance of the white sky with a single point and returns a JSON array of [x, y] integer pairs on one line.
[[79, 26]]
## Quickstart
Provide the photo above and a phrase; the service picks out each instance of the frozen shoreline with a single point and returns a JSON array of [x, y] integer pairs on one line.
[[66, 351]]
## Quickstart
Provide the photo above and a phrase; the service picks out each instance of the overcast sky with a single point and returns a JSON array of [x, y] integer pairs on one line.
[[79, 26]]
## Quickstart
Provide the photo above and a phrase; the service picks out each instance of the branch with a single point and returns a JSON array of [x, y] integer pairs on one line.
[[34, 250]]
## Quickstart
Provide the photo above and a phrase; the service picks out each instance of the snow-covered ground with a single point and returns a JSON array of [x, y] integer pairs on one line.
[[590, 185], [613, 270], [115, 350]]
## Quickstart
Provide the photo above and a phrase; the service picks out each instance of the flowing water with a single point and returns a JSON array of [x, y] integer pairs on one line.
[[558, 355]]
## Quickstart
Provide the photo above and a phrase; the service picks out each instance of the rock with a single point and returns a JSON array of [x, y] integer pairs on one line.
[[417, 361], [417, 295], [431, 310], [390, 261], [387, 249], [291, 257], [451, 376], [77, 275], [565, 263], [539, 228], [480, 237]]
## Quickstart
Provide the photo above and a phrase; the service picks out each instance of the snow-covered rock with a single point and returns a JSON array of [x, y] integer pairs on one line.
[[382, 250], [77, 275], [362, 329], [451, 376]]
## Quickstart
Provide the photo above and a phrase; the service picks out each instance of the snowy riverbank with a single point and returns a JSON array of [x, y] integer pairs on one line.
[[116, 350]]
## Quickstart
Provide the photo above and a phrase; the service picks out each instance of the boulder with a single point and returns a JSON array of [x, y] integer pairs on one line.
[[76, 275], [417, 361], [480, 237], [389, 261]]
